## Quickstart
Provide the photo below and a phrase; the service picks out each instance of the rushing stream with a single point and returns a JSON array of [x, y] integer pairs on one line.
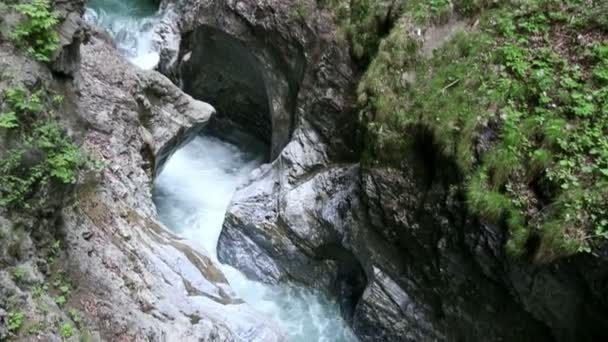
[[196, 186], [132, 24], [192, 195]]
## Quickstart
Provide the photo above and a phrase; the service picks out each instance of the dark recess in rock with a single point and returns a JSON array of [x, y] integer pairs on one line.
[[224, 72], [350, 279]]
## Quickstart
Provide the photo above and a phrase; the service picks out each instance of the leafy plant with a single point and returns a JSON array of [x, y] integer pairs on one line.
[[45, 155], [18, 274], [544, 174], [64, 290], [23, 102], [63, 157], [37, 31], [363, 22], [8, 120], [60, 300], [67, 330], [55, 248], [39, 290], [15, 321], [75, 316], [300, 10], [429, 10]]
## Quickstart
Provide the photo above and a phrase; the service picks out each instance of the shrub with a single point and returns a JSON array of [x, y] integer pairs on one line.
[[67, 330], [44, 156], [18, 274], [520, 108], [364, 22], [8, 120], [15, 321], [37, 31]]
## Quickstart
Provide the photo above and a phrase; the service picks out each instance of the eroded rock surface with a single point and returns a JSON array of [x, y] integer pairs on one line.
[[170, 282], [396, 247], [130, 278]]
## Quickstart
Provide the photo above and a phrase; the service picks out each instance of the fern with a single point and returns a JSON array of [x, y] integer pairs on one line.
[[8, 120], [63, 157], [37, 30], [44, 157], [21, 101]]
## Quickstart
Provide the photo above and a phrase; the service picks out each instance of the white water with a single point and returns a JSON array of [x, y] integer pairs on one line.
[[197, 184], [192, 195], [132, 25]]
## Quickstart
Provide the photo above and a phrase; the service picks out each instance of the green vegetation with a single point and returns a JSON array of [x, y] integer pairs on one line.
[[58, 290], [63, 292], [67, 330], [55, 250], [37, 32], [18, 274], [8, 120], [75, 316], [38, 291], [520, 103], [44, 156], [15, 321], [424, 11], [300, 11], [364, 22]]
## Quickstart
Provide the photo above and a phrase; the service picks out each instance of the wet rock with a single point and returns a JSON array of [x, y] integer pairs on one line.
[[431, 271], [386, 312], [296, 70], [130, 278], [145, 117]]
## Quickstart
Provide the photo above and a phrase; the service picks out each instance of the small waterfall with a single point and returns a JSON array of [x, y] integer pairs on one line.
[[134, 27], [197, 184], [192, 195]]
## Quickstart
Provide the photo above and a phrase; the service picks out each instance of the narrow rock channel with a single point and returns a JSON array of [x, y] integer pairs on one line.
[[196, 186], [132, 25], [192, 194]]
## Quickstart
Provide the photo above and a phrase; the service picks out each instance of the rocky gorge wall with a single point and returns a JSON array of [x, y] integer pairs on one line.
[[97, 265], [397, 247]]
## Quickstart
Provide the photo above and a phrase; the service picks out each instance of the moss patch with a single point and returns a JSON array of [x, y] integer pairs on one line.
[[519, 101]]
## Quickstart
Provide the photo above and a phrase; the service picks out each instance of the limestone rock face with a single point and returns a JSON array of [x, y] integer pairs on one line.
[[142, 279], [67, 59], [130, 278], [265, 68], [396, 247]]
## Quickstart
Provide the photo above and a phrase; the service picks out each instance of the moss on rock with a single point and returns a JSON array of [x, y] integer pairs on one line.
[[518, 100]]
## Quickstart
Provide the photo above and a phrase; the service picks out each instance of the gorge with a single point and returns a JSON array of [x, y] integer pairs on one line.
[[299, 170]]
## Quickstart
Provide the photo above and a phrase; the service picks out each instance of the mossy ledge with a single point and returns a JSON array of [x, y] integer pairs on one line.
[[517, 98]]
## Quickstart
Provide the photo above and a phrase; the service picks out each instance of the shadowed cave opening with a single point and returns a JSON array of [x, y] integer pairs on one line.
[[220, 70], [198, 170]]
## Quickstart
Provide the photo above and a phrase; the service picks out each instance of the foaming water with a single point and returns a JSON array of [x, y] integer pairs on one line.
[[196, 186], [132, 25], [192, 195]]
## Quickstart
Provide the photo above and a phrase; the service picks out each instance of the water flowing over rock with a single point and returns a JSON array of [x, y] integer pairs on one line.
[[137, 120], [134, 279], [397, 247]]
